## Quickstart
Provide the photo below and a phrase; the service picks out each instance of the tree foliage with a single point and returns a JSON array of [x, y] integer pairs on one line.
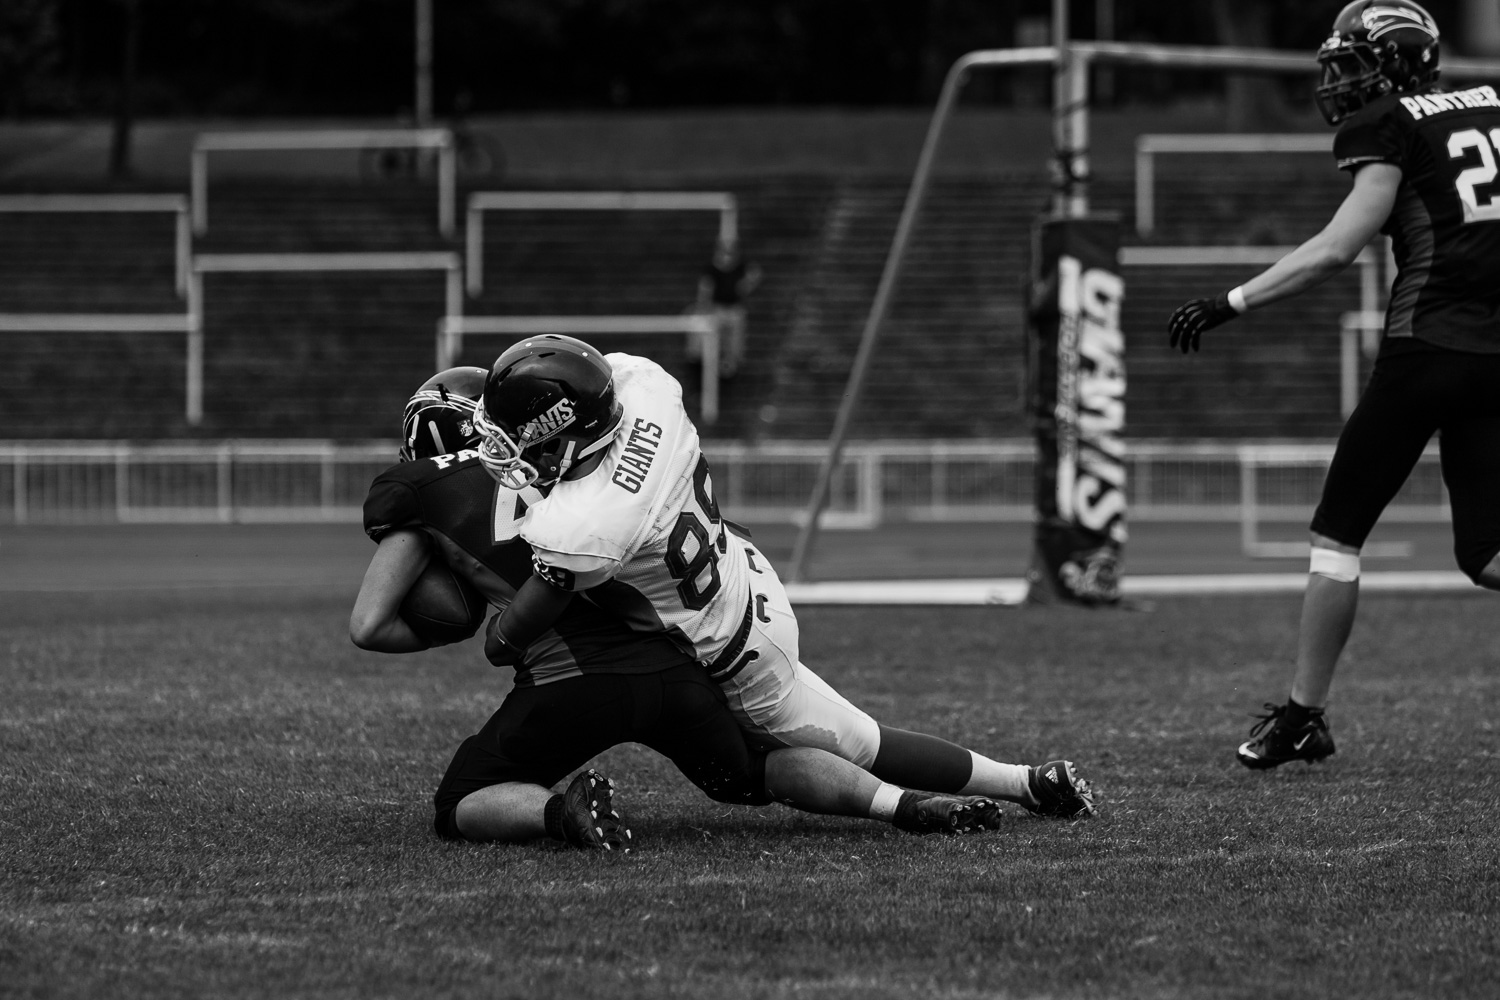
[[355, 56]]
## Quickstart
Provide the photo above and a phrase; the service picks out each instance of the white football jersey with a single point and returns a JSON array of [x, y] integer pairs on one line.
[[642, 532]]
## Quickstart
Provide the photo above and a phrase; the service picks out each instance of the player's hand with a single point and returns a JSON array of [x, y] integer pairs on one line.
[[1191, 318], [497, 650]]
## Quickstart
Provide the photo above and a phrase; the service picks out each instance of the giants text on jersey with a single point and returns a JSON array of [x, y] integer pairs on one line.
[[642, 533]]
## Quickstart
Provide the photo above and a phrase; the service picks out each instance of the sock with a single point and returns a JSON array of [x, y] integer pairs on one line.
[[1011, 782], [552, 816], [1297, 714], [887, 798], [916, 760]]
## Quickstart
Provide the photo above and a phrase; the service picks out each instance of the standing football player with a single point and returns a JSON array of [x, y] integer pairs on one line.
[[1424, 167], [586, 685], [624, 510]]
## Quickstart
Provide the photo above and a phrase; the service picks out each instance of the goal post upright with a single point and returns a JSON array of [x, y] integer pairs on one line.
[[1072, 61], [884, 292]]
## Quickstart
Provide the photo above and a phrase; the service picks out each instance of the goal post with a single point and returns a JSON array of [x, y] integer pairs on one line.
[[1071, 62]]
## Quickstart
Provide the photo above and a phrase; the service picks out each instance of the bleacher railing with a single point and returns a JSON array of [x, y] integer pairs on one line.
[[1253, 484], [452, 329], [723, 203], [188, 322], [437, 139], [1148, 147]]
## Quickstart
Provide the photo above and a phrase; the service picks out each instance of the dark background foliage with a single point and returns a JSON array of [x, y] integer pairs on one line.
[[338, 57]]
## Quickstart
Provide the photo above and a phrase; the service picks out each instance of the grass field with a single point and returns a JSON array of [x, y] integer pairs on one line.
[[209, 791]]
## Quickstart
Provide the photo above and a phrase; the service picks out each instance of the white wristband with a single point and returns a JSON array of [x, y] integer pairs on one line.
[[1237, 299]]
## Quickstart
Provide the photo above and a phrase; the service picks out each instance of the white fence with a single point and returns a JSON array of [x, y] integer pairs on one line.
[[230, 481], [878, 481]]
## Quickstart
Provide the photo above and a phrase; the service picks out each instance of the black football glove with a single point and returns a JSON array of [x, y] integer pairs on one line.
[[1192, 318], [497, 649]]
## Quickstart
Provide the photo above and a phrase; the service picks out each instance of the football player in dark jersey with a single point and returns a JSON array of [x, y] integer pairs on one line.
[[589, 684], [1424, 166]]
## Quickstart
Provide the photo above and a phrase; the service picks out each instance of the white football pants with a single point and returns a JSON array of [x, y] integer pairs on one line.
[[778, 701]]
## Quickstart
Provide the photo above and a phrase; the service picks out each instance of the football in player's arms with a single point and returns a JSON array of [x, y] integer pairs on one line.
[[441, 607]]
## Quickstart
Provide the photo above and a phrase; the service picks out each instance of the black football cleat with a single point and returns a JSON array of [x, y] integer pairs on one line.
[[590, 819], [1274, 741], [1059, 791], [929, 812]]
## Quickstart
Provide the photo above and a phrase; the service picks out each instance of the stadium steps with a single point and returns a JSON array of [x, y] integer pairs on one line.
[[89, 385], [334, 355]]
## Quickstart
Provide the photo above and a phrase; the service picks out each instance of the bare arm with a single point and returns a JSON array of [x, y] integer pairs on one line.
[[1358, 219], [376, 622]]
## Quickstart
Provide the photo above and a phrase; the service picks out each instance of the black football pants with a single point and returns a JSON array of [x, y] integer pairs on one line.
[[1410, 397], [541, 734]]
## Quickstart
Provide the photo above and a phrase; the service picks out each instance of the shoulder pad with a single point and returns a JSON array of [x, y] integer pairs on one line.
[[392, 501]]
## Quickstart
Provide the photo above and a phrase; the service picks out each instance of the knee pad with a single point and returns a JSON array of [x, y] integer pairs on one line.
[[1335, 565]]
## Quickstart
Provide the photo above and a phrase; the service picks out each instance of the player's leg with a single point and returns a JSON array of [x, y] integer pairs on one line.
[[921, 760], [782, 703], [813, 714], [498, 785], [777, 700], [696, 731], [1329, 605], [1377, 449], [817, 781], [1471, 471]]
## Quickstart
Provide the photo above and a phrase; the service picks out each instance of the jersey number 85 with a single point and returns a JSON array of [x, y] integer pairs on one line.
[[689, 562]]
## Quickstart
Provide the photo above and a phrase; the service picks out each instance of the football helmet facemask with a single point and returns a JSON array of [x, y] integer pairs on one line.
[[1376, 47], [439, 417], [549, 403]]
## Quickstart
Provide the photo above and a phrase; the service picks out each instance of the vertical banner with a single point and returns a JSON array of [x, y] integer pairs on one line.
[[1077, 404]]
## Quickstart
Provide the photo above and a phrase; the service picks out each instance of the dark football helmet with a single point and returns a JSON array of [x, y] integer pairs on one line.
[[439, 417], [549, 403], [1377, 47]]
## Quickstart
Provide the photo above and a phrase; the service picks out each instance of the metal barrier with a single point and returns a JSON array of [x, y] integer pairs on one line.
[[115, 203], [1281, 482], [480, 202], [1148, 146], [261, 263], [189, 322], [876, 482], [230, 481], [440, 139]]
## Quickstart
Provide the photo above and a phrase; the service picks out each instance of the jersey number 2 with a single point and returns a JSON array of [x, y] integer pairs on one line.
[[688, 569], [1468, 180]]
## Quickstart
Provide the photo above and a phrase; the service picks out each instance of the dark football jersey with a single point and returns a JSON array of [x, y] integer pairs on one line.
[[475, 525], [1445, 225]]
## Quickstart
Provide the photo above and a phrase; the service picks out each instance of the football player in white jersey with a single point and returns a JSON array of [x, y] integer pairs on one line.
[[624, 512]]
